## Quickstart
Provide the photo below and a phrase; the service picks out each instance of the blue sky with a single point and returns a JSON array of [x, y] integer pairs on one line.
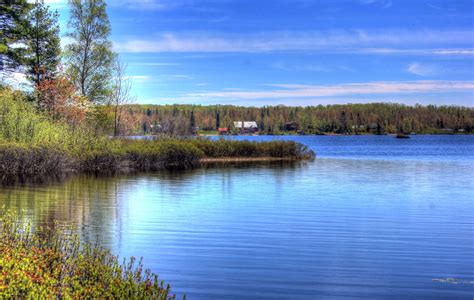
[[295, 52]]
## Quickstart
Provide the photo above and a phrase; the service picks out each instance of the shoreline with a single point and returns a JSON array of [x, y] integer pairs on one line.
[[210, 160], [326, 134], [24, 162]]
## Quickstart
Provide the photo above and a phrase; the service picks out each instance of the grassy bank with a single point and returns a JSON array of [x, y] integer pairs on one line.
[[51, 263], [33, 144], [22, 161]]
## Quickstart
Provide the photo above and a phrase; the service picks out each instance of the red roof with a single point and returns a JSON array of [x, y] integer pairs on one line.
[[222, 129]]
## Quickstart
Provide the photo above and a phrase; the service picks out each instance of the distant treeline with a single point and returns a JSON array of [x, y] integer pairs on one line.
[[338, 119]]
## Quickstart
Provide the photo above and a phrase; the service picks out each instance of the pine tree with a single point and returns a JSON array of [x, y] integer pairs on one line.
[[14, 26], [192, 122], [43, 43], [90, 55], [218, 120]]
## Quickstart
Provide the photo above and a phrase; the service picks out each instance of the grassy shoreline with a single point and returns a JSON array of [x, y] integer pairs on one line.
[[19, 161], [211, 160]]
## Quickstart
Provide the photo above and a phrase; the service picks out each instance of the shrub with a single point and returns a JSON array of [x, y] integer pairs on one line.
[[51, 263], [30, 161], [229, 148], [164, 154]]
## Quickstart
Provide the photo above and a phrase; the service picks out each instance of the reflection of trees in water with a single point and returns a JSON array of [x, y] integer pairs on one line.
[[87, 202], [98, 205]]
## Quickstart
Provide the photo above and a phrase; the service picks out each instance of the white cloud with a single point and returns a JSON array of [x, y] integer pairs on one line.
[[446, 52], [55, 4], [294, 91], [138, 78], [387, 41], [158, 64], [421, 69], [140, 4], [383, 3], [129, 4]]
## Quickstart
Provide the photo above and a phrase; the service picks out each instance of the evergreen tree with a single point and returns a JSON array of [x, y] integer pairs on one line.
[[218, 120], [14, 26], [90, 55], [192, 122], [43, 43]]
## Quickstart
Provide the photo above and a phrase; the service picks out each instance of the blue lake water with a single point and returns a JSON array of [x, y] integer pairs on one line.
[[373, 217]]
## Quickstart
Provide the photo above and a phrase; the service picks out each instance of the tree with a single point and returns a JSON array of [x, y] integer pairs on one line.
[[218, 120], [192, 122], [90, 55], [58, 98], [14, 25], [43, 43], [120, 94]]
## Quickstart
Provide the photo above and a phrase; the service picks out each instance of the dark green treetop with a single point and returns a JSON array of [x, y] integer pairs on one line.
[[14, 25], [43, 43]]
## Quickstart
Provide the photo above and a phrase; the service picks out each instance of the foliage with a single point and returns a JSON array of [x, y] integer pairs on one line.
[[21, 123], [20, 161], [50, 262], [161, 154], [89, 55], [228, 148], [43, 43], [59, 99], [36, 143], [370, 118], [14, 25]]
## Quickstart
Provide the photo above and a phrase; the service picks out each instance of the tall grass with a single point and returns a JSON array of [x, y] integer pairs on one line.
[[32, 144], [229, 148], [51, 263]]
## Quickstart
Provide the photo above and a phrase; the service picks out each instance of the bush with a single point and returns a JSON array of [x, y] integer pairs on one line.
[[30, 161], [51, 263], [32, 144], [277, 149]]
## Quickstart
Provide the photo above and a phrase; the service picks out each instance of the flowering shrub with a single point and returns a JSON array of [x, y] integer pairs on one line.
[[58, 97], [51, 263]]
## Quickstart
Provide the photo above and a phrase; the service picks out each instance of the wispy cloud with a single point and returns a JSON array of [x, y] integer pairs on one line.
[[142, 4], [293, 91], [55, 4], [179, 76], [421, 69], [129, 4], [311, 67], [139, 78], [153, 64], [337, 40], [394, 51], [383, 3]]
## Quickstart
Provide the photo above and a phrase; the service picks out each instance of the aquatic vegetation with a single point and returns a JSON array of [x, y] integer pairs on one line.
[[32, 144], [229, 148], [52, 263]]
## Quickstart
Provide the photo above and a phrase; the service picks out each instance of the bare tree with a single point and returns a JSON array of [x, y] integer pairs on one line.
[[120, 94]]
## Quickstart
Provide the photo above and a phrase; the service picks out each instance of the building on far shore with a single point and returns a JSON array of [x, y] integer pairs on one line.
[[246, 127], [223, 131]]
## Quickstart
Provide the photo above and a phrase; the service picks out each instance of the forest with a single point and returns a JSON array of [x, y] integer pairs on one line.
[[372, 118]]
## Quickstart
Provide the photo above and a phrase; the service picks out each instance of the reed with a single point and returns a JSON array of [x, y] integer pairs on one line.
[[32, 145]]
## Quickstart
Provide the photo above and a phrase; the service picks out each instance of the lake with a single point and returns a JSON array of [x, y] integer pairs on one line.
[[372, 217]]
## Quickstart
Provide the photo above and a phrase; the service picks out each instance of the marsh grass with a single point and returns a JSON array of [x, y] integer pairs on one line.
[[52, 263], [272, 149], [32, 145]]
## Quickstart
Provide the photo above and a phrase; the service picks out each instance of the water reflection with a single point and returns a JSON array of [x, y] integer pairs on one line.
[[333, 228]]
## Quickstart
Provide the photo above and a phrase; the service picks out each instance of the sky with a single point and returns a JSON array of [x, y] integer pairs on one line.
[[294, 52]]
